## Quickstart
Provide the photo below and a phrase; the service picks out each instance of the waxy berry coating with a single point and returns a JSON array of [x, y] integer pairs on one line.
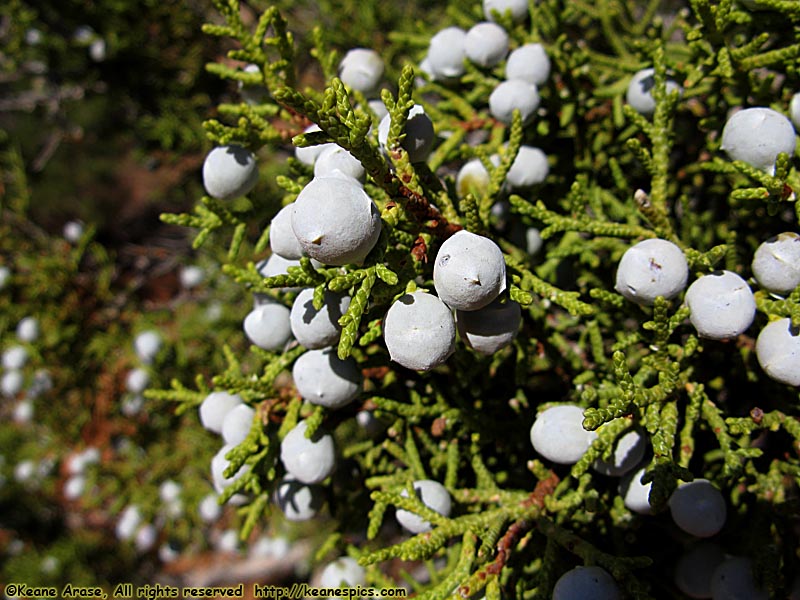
[[722, 305], [343, 572], [214, 408], [335, 221], [756, 136], [229, 172], [776, 263], [490, 328], [433, 495], [486, 44], [582, 583], [652, 268], [636, 495], [361, 69], [778, 351], [514, 94], [628, 452], [446, 53], [698, 508], [469, 272], [529, 63], [308, 460], [297, 500], [322, 378], [558, 435], [419, 134], [529, 168], [282, 240], [518, 8], [419, 331], [314, 328], [268, 327], [237, 423], [640, 91]]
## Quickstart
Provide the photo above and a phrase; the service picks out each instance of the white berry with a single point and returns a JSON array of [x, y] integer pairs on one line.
[[529, 63], [794, 110], [529, 168], [147, 345], [517, 8], [586, 582], [228, 541], [237, 423], [533, 240], [297, 500], [132, 405], [11, 383], [23, 411], [229, 172], [640, 91], [756, 136], [322, 378], [514, 94], [282, 240], [486, 44], [219, 464], [419, 331], [558, 434], [377, 106], [270, 267], [469, 272], [778, 351], [214, 408], [267, 326], [191, 276], [74, 487], [652, 268], [128, 522], [722, 305], [446, 53], [335, 221], [628, 452], [344, 571], [209, 508], [433, 495], [698, 508], [137, 380], [636, 495], [146, 538], [308, 154], [490, 328], [361, 69], [694, 569], [472, 178], [73, 231], [335, 161], [733, 580], [419, 134], [28, 330], [15, 357], [776, 263], [308, 460], [169, 491], [314, 328], [25, 471]]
